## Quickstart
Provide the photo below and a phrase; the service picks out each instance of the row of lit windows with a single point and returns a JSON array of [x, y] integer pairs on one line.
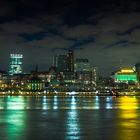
[[36, 86]]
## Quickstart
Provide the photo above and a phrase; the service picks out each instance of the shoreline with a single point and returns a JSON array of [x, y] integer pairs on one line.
[[69, 95]]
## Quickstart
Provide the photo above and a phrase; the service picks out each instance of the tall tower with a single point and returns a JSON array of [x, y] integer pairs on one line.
[[61, 63], [64, 63], [15, 66], [71, 60], [82, 65]]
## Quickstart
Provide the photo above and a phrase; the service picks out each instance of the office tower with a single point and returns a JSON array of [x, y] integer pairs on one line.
[[84, 72], [64, 63], [15, 66], [61, 63], [71, 60], [82, 65]]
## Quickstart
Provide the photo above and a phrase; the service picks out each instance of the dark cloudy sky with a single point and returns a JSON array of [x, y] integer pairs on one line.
[[104, 31]]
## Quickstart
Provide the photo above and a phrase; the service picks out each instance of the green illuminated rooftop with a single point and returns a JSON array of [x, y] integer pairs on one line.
[[127, 77]]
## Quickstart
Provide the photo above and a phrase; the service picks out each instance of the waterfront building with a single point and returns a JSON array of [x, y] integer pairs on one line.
[[35, 84], [15, 66], [84, 77], [125, 75], [3, 81], [48, 76], [43, 75], [54, 74], [18, 81], [69, 78]]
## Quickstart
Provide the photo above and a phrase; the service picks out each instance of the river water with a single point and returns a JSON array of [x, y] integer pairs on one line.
[[69, 118]]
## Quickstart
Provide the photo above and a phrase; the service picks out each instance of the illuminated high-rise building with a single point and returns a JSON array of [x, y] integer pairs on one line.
[[15, 64]]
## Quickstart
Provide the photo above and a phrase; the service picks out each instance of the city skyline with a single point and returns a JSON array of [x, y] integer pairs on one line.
[[63, 62], [16, 66], [69, 69], [101, 31]]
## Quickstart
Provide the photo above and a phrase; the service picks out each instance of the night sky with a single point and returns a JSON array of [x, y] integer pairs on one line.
[[104, 31]]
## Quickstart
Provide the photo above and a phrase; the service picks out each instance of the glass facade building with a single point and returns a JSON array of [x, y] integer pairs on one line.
[[64, 63], [82, 65], [61, 63], [15, 66]]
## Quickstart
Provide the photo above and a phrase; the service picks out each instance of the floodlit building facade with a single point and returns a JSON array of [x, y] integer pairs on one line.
[[35, 84], [15, 66], [125, 75]]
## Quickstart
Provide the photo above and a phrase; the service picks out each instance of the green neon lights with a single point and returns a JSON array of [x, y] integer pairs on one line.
[[125, 77]]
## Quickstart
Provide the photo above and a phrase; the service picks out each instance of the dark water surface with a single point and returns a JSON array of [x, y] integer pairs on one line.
[[70, 118]]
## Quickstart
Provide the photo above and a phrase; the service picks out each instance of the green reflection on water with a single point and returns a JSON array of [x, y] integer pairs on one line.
[[120, 116], [15, 118], [15, 124]]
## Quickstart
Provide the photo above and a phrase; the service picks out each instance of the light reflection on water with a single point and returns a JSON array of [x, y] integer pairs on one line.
[[97, 106], [129, 115], [72, 122], [108, 103], [15, 124], [55, 103], [69, 117], [12, 118], [44, 103], [15, 104], [72, 102]]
